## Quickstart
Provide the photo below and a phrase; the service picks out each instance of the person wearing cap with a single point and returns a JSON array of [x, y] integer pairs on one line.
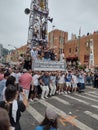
[[50, 121]]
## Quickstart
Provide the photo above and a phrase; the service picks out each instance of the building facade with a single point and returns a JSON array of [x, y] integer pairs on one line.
[[80, 49], [14, 55], [57, 39], [83, 50]]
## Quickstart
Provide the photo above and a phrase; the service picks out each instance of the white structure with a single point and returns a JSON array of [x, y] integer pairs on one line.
[[38, 22], [91, 57]]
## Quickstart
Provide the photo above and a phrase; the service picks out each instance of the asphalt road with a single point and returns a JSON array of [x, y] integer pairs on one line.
[[77, 111]]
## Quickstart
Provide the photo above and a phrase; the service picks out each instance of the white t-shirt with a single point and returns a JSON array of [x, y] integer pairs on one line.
[[62, 57], [35, 79], [61, 79], [74, 79], [34, 54]]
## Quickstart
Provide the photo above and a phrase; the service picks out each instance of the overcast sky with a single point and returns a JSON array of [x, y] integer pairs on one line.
[[69, 16]]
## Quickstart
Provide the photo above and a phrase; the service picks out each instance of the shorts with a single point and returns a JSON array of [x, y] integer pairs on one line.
[[61, 85], [68, 84], [26, 93], [36, 89], [74, 85]]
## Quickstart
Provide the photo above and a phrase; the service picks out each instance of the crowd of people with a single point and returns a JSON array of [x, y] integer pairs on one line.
[[43, 84], [17, 87], [39, 53], [20, 85]]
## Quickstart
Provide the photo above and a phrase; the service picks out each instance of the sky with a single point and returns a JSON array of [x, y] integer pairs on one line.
[[68, 15]]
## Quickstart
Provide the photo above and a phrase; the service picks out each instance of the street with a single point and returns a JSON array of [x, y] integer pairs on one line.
[[77, 111]]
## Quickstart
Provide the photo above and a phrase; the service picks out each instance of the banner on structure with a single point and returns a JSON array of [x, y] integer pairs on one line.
[[49, 66]]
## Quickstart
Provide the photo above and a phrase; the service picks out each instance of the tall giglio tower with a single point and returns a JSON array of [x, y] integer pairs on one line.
[[38, 22]]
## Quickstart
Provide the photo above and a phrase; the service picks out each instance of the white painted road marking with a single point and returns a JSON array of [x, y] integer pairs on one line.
[[87, 97], [95, 96], [61, 100], [35, 114], [80, 125]]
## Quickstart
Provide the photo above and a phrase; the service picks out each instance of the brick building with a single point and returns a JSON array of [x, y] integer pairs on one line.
[[57, 39], [14, 55], [76, 49], [79, 49]]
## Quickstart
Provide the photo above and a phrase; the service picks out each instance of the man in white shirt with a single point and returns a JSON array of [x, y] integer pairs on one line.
[[61, 82], [34, 54], [36, 84], [74, 82]]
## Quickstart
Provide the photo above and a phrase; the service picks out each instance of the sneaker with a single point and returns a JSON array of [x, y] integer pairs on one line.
[[69, 92], [31, 100], [46, 97], [35, 99], [62, 92], [42, 98], [65, 92], [57, 92]]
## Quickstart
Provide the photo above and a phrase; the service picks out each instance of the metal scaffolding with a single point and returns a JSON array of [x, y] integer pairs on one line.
[[38, 22]]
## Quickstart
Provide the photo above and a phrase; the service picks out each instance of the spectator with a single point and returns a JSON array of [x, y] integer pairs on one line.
[[52, 55], [46, 54], [36, 84], [4, 120], [49, 122], [11, 80], [13, 106], [96, 80], [3, 84], [34, 54], [25, 81]]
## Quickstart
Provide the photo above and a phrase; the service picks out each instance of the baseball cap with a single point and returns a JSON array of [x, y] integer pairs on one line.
[[51, 114], [24, 70]]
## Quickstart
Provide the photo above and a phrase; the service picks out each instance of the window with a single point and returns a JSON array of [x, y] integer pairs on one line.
[[76, 49], [69, 50], [86, 58]]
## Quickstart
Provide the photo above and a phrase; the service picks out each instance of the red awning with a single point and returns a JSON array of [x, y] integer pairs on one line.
[[72, 58]]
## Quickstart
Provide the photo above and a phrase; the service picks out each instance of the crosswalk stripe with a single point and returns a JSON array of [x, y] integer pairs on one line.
[[91, 114], [77, 99], [94, 93], [94, 106], [35, 114], [80, 125], [87, 97], [60, 100], [95, 96]]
